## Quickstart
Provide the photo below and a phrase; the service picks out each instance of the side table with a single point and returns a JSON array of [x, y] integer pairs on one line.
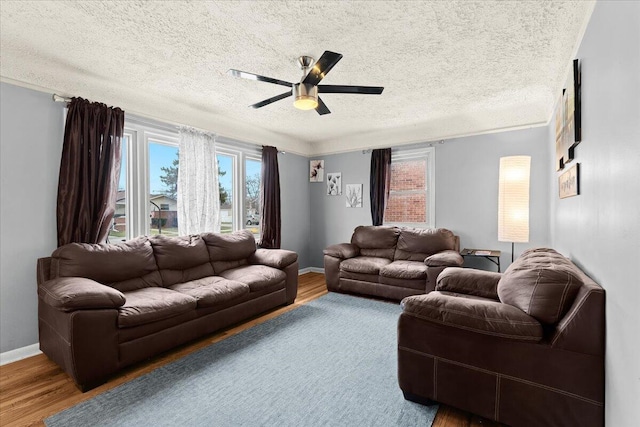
[[490, 254]]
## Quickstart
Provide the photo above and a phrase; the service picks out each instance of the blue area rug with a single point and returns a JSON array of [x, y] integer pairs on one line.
[[331, 362]]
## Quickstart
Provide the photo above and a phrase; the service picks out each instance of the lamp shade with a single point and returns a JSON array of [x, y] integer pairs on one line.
[[513, 199]]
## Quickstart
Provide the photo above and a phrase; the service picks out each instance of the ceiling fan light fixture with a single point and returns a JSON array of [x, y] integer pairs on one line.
[[305, 96]]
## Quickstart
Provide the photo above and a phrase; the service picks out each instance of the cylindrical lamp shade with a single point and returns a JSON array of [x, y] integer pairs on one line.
[[513, 199]]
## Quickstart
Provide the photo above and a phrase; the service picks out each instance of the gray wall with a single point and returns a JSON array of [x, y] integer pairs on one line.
[[466, 193], [600, 228], [30, 149], [467, 172], [294, 194], [331, 221]]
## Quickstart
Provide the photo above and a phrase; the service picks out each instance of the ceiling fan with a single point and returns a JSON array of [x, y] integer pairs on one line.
[[306, 92]]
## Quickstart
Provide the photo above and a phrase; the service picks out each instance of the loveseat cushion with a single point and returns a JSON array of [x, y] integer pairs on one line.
[[152, 304], [342, 250], [212, 290], [181, 259], [364, 264], [125, 266], [416, 244], [258, 277], [410, 270], [542, 283], [229, 250], [475, 315], [75, 293], [376, 241]]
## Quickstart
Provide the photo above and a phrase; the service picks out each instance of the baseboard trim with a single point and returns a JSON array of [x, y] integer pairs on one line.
[[310, 270], [19, 354]]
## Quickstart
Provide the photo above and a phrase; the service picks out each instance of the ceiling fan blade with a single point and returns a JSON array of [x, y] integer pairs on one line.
[[322, 67], [363, 90], [251, 76], [270, 100], [322, 108]]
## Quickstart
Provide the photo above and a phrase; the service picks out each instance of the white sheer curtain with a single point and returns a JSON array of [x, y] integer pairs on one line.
[[198, 193]]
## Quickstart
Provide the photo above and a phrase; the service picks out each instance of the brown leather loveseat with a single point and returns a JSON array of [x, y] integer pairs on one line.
[[103, 307], [525, 348], [390, 262]]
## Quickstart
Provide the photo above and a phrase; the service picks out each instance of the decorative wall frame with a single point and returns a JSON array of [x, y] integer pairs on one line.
[[316, 170], [569, 118], [334, 184], [569, 182], [353, 195]]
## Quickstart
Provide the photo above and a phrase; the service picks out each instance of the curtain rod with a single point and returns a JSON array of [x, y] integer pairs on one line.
[[58, 98], [430, 144]]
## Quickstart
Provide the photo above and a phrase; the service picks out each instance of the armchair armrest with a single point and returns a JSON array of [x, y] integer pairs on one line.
[[342, 250], [469, 281], [447, 258], [75, 293], [276, 258]]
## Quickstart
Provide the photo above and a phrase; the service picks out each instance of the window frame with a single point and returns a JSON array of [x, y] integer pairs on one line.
[[429, 154]]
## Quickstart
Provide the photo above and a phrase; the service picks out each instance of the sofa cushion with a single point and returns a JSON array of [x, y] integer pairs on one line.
[[404, 270], [364, 264], [229, 250], [152, 304], [376, 241], [448, 258], [181, 259], [125, 266], [469, 281], [542, 283], [417, 284], [258, 277], [276, 258], [213, 290], [416, 244], [475, 315]]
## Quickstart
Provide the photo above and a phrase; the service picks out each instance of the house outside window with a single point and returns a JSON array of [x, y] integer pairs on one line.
[[412, 189]]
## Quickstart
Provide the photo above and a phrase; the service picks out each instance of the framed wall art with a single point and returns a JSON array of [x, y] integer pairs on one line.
[[334, 184], [354, 195], [569, 182], [316, 170], [569, 118]]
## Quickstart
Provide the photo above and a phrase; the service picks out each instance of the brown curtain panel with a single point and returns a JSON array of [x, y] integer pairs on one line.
[[89, 172], [379, 183], [270, 200]]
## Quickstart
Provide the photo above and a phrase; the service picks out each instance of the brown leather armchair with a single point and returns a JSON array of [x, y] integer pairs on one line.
[[524, 348]]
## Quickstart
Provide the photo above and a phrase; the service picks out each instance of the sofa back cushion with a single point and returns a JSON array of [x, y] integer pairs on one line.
[[542, 283], [416, 244], [376, 241], [181, 259], [125, 266], [231, 250]]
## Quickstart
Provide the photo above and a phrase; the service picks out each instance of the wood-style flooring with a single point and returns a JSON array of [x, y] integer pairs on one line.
[[35, 388]]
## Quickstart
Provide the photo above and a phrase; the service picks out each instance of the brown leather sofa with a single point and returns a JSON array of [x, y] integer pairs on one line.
[[104, 307], [524, 348], [390, 262]]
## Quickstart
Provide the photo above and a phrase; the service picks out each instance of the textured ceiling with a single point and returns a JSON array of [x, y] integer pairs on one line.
[[448, 68]]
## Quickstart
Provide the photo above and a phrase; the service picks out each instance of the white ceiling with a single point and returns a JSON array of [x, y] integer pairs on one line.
[[448, 68]]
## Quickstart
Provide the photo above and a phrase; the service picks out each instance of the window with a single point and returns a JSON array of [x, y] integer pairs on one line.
[[119, 224], [147, 189], [239, 180], [411, 195]]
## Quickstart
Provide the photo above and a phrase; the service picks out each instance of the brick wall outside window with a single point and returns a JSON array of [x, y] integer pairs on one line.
[[408, 194]]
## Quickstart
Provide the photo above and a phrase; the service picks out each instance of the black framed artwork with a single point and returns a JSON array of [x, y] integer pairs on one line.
[[569, 118]]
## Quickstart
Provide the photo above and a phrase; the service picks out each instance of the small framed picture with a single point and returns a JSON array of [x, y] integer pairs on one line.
[[353, 195], [316, 170], [569, 182], [334, 183]]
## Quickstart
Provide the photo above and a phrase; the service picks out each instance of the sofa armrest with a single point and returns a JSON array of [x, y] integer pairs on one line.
[[474, 315], [469, 281], [342, 250], [276, 258], [75, 293], [445, 259]]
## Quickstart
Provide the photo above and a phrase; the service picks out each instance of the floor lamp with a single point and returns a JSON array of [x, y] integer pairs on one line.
[[513, 200]]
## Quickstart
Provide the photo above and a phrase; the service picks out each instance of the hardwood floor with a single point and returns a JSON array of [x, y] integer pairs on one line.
[[35, 388]]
